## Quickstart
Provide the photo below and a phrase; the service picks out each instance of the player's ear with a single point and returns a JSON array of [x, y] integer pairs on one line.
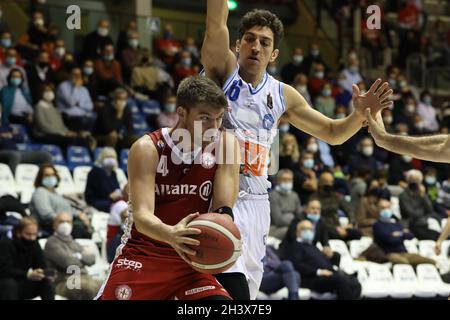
[[238, 45], [274, 55], [181, 112]]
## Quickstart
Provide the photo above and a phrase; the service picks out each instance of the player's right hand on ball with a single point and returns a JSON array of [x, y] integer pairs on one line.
[[180, 237]]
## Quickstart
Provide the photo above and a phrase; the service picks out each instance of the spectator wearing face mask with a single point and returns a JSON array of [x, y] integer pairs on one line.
[[398, 167], [62, 251], [107, 71], [367, 210], [432, 185], [283, 127], [416, 207], [167, 47], [340, 112], [317, 80], [49, 127], [388, 120], [87, 76], [114, 124], [123, 38], [350, 75], [311, 145], [57, 55], [130, 55], [289, 152], [74, 102], [184, 67], [95, 41], [278, 274], [389, 235], [314, 57], [16, 101], [315, 267], [37, 31], [169, 116], [192, 48], [406, 113], [427, 112], [39, 73], [443, 199], [46, 203], [364, 157], [284, 204], [305, 179], [22, 265], [325, 103], [294, 67], [6, 42], [301, 85], [11, 62], [102, 186], [332, 204]]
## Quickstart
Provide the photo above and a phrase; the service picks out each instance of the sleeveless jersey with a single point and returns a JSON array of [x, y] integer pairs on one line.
[[254, 112], [182, 186]]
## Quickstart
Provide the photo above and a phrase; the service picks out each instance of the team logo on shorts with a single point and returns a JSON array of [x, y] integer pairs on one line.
[[123, 292], [205, 190], [268, 122], [208, 160]]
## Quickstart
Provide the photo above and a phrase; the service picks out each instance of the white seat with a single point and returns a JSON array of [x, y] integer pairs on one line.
[[405, 281], [80, 175], [26, 194], [42, 243], [426, 248], [433, 224], [100, 224], [357, 247], [340, 247], [121, 177], [25, 175], [323, 296], [411, 245], [99, 269], [66, 184], [395, 206], [7, 182], [273, 242], [378, 283], [303, 293], [428, 278]]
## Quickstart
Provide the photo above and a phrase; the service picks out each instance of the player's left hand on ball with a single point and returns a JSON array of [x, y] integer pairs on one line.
[[376, 98], [180, 237]]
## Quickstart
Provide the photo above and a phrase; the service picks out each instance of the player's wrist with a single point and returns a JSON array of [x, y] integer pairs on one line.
[[225, 210]]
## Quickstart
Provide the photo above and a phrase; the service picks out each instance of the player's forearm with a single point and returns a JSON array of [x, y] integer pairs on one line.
[[216, 15], [151, 226], [343, 129], [445, 233], [430, 148]]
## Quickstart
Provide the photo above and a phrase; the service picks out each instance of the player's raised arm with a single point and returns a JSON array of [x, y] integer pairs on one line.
[[142, 164], [217, 58], [335, 131], [226, 179], [434, 148]]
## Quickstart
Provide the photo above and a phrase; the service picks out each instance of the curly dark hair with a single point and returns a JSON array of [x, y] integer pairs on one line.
[[262, 18]]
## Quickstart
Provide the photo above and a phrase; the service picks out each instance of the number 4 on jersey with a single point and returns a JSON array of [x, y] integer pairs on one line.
[[162, 166]]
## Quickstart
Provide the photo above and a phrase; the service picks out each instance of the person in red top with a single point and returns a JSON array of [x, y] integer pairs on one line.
[[168, 182], [185, 67], [408, 16], [167, 47]]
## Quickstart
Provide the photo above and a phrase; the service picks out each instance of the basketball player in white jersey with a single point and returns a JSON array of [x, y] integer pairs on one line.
[[256, 103]]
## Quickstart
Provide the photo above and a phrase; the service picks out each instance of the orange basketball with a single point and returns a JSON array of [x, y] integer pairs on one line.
[[220, 243]]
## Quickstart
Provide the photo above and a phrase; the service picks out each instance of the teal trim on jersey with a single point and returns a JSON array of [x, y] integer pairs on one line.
[[260, 86], [283, 103]]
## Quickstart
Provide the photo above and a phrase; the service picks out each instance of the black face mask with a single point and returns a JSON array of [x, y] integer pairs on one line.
[[327, 188], [413, 186], [43, 64], [28, 243]]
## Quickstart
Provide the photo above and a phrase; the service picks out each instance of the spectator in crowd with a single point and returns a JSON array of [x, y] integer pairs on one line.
[[279, 274], [4, 27], [317, 80], [184, 68], [88, 78], [191, 47], [398, 166], [358, 185], [443, 198], [305, 179], [67, 64], [372, 40], [273, 70], [289, 153], [61, 252], [46, 203], [169, 116], [49, 127], [389, 235], [130, 55], [409, 44], [37, 31], [388, 119], [6, 42], [284, 204], [102, 186], [350, 75], [301, 85], [112, 120], [167, 47], [427, 112], [294, 67], [311, 145], [331, 206], [408, 16], [9, 63], [75, 103], [283, 127], [16, 101], [57, 55], [364, 157], [39, 73], [316, 269], [325, 103], [367, 210], [107, 71], [314, 57], [416, 207], [123, 38], [22, 265], [95, 41], [116, 225], [9, 204], [431, 184], [340, 112]]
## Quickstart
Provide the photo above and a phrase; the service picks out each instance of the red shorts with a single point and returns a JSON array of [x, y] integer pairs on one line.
[[157, 273]]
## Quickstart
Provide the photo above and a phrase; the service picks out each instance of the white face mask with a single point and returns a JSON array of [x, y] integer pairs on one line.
[[313, 148], [39, 22], [407, 159], [60, 51], [367, 151], [286, 186], [170, 107], [284, 127], [298, 59], [411, 108], [109, 163], [388, 120], [64, 229], [103, 31], [48, 96], [301, 88]]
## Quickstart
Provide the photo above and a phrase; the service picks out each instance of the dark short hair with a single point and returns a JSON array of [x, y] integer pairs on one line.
[[198, 90], [262, 18], [40, 175]]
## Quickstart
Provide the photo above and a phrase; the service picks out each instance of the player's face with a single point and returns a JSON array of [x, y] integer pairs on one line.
[[208, 117], [256, 49]]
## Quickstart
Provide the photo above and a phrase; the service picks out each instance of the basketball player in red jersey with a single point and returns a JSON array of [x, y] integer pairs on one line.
[[168, 182]]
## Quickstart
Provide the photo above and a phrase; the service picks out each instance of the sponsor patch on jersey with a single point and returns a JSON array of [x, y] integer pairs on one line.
[[125, 263], [208, 160], [268, 121], [123, 292], [205, 190]]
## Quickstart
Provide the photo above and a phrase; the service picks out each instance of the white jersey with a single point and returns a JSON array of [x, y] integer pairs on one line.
[[254, 112]]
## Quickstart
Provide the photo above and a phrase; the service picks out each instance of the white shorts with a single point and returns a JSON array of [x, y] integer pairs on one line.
[[252, 216]]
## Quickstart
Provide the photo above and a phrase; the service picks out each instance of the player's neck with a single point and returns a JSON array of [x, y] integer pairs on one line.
[[253, 79]]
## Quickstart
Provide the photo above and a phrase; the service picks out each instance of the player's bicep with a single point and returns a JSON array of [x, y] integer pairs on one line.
[[302, 116], [217, 59], [446, 151], [142, 163]]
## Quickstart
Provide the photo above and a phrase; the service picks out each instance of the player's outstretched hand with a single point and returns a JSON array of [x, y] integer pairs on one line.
[[179, 237], [376, 126], [376, 98]]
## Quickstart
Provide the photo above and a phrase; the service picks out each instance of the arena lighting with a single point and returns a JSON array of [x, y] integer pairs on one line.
[[232, 4]]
